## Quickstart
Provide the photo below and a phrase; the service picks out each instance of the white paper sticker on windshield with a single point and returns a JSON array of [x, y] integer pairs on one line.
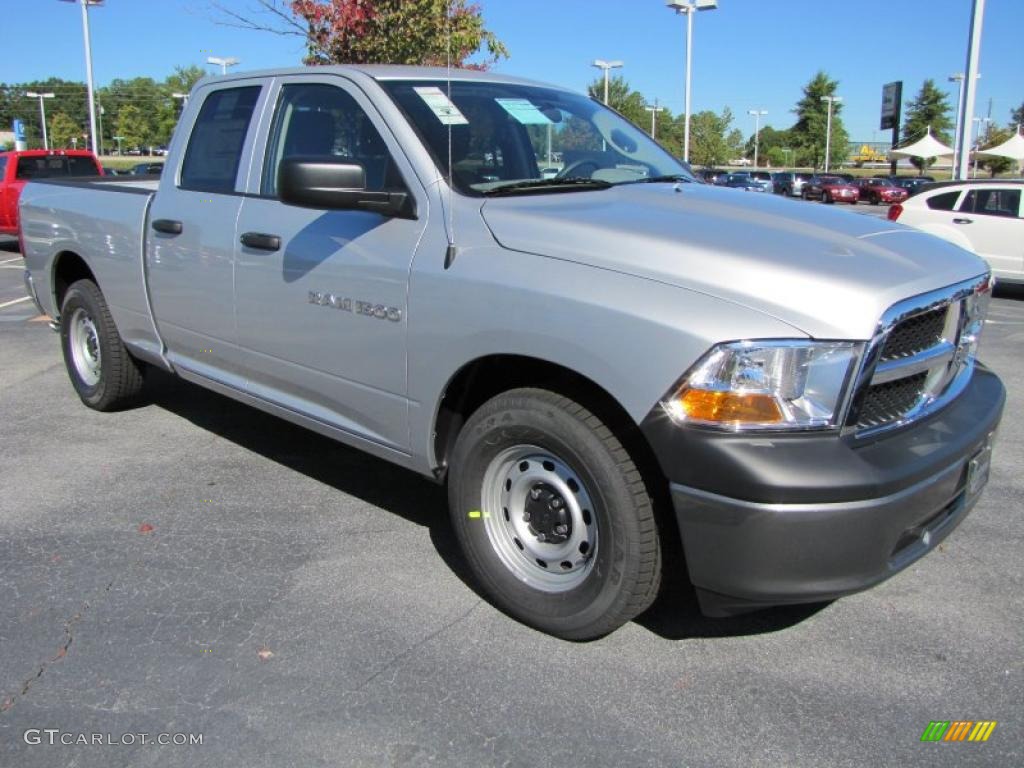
[[525, 111], [441, 106]]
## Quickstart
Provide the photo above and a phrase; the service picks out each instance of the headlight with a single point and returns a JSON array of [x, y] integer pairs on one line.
[[767, 385]]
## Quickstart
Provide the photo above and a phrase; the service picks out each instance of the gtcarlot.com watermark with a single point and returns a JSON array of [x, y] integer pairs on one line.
[[54, 736]]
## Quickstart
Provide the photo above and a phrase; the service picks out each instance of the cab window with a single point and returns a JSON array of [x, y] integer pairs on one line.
[[315, 120]]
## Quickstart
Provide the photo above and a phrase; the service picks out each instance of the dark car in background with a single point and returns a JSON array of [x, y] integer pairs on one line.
[[877, 190], [830, 189], [147, 169], [711, 175], [912, 184], [742, 181], [789, 184]]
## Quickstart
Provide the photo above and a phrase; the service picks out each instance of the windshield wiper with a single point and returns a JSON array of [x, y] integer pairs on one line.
[[554, 185], [675, 177]]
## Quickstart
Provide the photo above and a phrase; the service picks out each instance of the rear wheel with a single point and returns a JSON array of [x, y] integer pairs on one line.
[[103, 373], [553, 516], [825, 198]]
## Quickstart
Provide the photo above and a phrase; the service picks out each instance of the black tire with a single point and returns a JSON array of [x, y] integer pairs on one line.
[[117, 377], [622, 574], [827, 198], [874, 199]]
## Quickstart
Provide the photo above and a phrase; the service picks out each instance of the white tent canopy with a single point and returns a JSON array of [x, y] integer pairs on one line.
[[1012, 148], [926, 146]]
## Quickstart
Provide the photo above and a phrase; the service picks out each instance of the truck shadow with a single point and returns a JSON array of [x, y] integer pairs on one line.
[[416, 499]]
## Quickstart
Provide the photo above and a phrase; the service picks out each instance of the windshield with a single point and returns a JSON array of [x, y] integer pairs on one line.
[[509, 136]]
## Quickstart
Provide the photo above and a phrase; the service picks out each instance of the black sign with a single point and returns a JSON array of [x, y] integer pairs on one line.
[[892, 96]]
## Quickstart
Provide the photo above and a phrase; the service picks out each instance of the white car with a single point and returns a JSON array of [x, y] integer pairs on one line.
[[983, 216]]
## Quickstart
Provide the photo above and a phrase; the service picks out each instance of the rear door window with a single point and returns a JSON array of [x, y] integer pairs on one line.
[[943, 202], [992, 202], [214, 150]]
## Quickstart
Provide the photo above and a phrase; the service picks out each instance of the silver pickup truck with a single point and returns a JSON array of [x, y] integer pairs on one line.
[[506, 286]]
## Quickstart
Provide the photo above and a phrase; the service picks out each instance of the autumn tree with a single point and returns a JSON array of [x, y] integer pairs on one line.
[[377, 31], [812, 122], [929, 109]]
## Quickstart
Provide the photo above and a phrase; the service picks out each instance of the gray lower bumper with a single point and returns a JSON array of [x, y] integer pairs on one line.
[[745, 555]]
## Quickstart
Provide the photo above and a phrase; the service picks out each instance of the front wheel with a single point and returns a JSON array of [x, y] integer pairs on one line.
[[553, 515], [827, 198], [103, 373]]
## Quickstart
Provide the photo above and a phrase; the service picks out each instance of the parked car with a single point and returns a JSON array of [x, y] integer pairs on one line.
[[764, 178], [877, 191], [147, 169], [789, 183], [711, 175], [911, 183], [742, 181], [19, 167], [983, 216], [570, 356], [830, 189]]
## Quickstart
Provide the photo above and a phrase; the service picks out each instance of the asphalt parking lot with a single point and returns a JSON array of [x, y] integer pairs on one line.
[[195, 567]]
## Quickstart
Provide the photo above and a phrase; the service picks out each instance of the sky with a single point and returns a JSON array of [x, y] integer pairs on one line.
[[747, 54]]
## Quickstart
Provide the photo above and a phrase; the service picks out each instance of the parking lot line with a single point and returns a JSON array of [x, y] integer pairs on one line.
[[8, 261], [15, 301]]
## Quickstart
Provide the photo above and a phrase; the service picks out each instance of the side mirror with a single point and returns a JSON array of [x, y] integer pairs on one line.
[[329, 184]]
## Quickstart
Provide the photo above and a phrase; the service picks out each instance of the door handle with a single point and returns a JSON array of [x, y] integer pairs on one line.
[[963, 221], [167, 226], [261, 241]]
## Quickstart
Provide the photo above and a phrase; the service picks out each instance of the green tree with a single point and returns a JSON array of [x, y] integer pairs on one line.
[[133, 127], [1017, 116], [770, 139], [62, 129], [812, 119], [929, 109], [377, 31], [710, 139]]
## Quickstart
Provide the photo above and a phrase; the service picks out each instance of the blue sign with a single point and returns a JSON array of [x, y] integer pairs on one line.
[[19, 130]]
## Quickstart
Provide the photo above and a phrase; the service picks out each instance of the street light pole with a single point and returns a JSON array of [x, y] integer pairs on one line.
[[757, 129], [654, 110], [981, 121], [959, 78], [828, 127], [183, 97], [223, 63], [688, 7], [606, 65], [42, 112], [88, 66], [971, 71]]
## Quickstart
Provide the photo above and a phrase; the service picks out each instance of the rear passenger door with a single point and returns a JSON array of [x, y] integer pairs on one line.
[[321, 303], [990, 217], [190, 244]]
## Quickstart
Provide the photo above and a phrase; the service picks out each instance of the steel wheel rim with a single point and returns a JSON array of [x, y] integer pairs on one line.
[[85, 347], [522, 486]]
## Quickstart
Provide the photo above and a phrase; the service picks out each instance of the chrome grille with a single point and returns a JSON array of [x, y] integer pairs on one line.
[[920, 358], [915, 334]]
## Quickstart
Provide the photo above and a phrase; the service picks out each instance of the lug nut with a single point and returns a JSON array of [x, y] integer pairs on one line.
[[535, 494], [541, 537], [561, 529], [526, 517], [556, 503]]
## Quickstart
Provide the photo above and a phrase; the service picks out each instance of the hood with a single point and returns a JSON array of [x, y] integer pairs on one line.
[[831, 274]]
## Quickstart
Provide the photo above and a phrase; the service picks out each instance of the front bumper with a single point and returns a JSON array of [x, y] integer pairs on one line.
[[769, 520]]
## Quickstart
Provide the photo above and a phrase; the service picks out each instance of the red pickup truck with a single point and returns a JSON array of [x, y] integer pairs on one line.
[[16, 168]]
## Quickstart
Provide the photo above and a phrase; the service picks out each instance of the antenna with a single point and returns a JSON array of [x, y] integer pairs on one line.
[[452, 251]]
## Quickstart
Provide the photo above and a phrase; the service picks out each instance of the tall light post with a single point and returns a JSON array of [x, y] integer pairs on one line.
[[757, 128], [223, 63], [958, 78], [828, 127], [688, 7], [183, 97], [654, 109], [606, 66], [42, 112], [970, 87], [88, 66]]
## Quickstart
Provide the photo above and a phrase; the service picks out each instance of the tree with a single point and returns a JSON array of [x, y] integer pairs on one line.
[[812, 120], [623, 99], [62, 129], [132, 127], [928, 110], [770, 139], [1017, 116], [711, 141], [377, 31]]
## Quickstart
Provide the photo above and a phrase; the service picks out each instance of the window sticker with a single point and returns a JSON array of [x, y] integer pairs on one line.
[[441, 106], [525, 111]]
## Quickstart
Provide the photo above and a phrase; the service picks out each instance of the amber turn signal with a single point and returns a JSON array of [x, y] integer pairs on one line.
[[709, 406]]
